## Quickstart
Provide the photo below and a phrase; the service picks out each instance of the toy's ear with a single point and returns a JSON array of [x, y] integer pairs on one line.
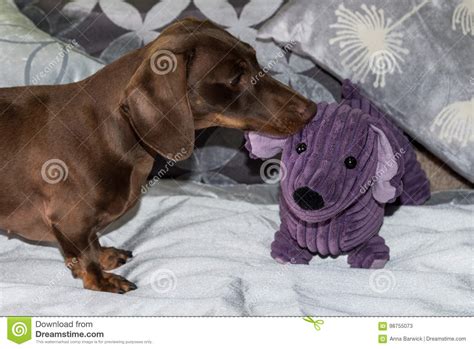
[[387, 168], [263, 146]]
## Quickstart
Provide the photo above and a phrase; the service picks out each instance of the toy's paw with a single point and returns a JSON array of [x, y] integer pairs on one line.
[[379, 263], [372, 255], [296, 259], [286, 250], [370, 261]]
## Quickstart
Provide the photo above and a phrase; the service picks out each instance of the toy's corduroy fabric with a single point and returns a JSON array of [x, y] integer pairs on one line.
[[338, 173], [415, 177]]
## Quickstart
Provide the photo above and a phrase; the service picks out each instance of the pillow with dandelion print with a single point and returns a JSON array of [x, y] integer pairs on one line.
[[411, 57]]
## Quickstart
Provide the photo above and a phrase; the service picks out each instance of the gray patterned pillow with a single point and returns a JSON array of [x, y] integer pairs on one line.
[[413, 58], [32, 57]]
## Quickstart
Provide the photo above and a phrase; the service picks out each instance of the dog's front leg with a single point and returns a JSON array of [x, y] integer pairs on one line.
[[82, 254]]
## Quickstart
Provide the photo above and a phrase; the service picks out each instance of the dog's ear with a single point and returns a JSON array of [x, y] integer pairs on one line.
[[156, 103], [387, 167], [263, 146]]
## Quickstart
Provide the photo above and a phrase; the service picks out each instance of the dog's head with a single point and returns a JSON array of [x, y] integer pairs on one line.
[[197, 75], [339, 156]]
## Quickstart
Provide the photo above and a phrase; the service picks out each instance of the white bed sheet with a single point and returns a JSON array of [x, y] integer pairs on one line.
[[201, 250]]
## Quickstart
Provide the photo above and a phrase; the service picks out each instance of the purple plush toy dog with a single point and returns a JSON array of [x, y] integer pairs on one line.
[[338, 173]]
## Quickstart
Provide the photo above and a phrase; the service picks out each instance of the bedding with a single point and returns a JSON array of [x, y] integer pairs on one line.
[[203, 250], [411, 57]]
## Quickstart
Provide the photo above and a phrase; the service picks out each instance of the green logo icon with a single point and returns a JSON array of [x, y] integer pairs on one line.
[[382, 338], [382, 326], [19, 329], [316, 323]]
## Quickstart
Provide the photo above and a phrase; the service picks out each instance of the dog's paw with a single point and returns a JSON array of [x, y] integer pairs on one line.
[[112, 258], [95, 279], [108, 282], [116, 284]]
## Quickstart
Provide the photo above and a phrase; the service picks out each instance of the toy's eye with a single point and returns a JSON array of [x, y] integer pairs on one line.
[[301, 148], [350, 162]]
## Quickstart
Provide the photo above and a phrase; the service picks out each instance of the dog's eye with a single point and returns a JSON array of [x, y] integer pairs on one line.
[[301, 148], [236, 79], [241, 68], [350, 162]]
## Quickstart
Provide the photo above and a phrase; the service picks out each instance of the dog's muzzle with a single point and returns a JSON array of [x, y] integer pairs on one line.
[[308, 199]]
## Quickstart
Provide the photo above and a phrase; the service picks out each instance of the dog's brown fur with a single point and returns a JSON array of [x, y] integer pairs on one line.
[[108, 128]]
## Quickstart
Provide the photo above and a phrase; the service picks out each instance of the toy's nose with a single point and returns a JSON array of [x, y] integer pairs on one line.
[[308, 199]]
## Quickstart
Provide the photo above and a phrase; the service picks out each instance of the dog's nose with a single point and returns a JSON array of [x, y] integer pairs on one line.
[[307, 110], [308, 199]]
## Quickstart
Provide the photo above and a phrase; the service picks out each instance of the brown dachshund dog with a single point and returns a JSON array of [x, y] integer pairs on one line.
[[74, 157]]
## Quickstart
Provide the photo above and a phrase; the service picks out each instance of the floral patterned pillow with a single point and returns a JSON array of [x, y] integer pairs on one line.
[[31, 57], [412, 57]]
